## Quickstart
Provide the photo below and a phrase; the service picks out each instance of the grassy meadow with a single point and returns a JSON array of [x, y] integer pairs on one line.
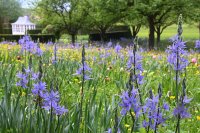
[[100, 110]]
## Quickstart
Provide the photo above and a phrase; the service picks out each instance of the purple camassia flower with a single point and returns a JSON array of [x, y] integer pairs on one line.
[[177, 50], [109, 130], [197, 45], [13, 43], [23, 80], [151, 109], [174, 38], [39, 52], [118, 48], [130, 102], [35, 76], [54, 60], [50, 99], [109, 44], [138, 65], [87, 69], [30, 46], [28, 71], [39, 88], [50, 43], [60, 110], [24, 40], [51, 102], [181, 109], [138, 61]]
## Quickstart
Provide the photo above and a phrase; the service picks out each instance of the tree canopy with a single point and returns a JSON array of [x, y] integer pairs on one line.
[[70, 16], [10, 10]]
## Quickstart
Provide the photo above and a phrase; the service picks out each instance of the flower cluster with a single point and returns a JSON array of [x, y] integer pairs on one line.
[[54, 60], [197, 45], [50, 102], [118, 48], [30, 46], [136, 61], [23, 77], [38, 88], [130, 101], [23, 80], [154, 111], [176, 54], [50, 99], [181, 109], [87, 71]]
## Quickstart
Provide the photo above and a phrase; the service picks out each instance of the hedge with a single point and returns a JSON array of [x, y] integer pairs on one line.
[[43, 38], [36, 31], [6, 31], [110, 36]]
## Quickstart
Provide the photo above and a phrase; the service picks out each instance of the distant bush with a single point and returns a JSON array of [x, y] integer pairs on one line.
[[36, 31], [110, 36], [41, 37], [6, 31]]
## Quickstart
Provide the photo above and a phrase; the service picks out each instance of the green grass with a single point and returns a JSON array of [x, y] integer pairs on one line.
[[101, 109], [190, 32]]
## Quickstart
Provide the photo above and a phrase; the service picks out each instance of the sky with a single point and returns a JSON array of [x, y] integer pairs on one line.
[[26, 3]]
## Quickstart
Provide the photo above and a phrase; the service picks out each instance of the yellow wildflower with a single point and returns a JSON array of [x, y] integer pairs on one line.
[[126, 125], [133, 113], [76, 80], [23, 94], [172, 97], [198, 118]]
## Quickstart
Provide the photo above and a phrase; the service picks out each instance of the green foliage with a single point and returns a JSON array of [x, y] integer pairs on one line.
[[36, 31], [103, 14], [6, 31], [101, 99], [10, 9], [15, 38], [65, 16]]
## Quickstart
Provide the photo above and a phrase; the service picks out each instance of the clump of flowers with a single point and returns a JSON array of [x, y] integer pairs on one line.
[[28, 45], [51, 102], [118, 48], [86, 69], [130, 101], [176, 55], [197, 45], [154, 111], [135, 62], [23, 79]]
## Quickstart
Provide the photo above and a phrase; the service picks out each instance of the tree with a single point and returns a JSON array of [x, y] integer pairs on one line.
[[67, 15], [103, 14], [160, 14], [162, 21], [193, 14], [134, 20], [9, 10]]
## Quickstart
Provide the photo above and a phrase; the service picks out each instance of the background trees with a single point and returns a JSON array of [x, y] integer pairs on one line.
[[71, 16], [66, 15], [9, 11]]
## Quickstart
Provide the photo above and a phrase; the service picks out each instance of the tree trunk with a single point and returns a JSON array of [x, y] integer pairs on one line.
[[73, 39], [158, 32], [1, 24], [151, 32], [103, 35], [136, 29], [199, 30]]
